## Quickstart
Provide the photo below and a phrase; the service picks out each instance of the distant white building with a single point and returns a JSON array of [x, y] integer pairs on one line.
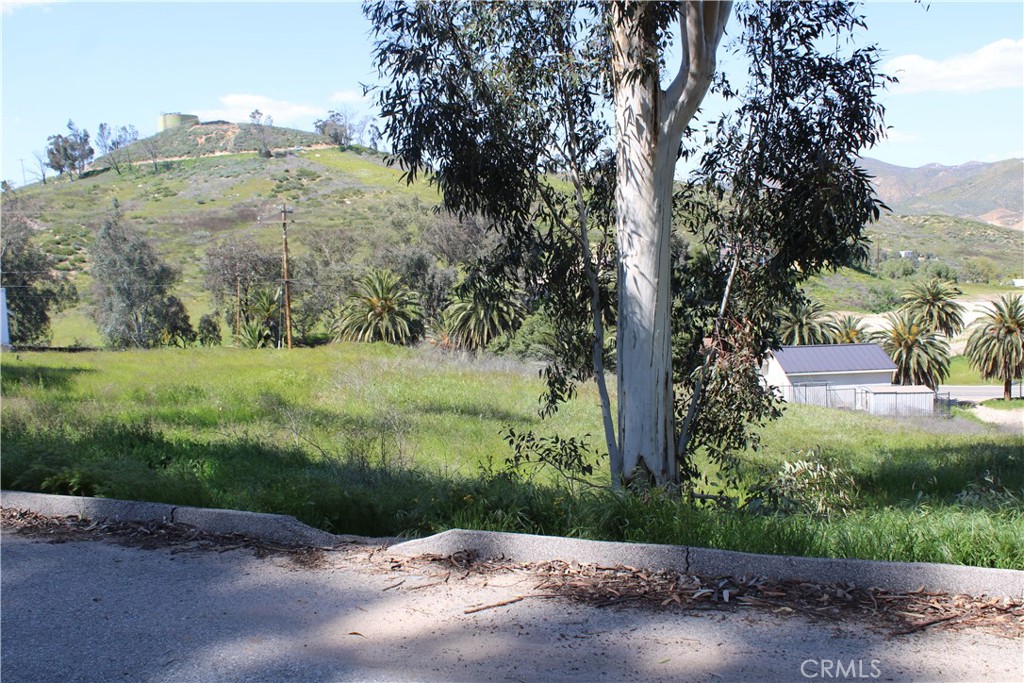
[[851, 376], [5, 330], [1018, 282]]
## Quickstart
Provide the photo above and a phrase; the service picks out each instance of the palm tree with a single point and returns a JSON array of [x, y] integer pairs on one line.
[[259, 319], [848, 329], [476, 320], [932, 301], [921, 355], [803, 324], [441, 332], [382, 309], [996, 344]]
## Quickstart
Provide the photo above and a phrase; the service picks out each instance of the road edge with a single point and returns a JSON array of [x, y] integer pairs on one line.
[[286, 530]]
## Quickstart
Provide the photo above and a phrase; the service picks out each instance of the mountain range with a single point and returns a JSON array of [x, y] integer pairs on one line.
[[987, 192]]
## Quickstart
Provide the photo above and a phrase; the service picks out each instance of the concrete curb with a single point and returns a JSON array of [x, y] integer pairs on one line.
[[893, 576], [282, 529], [286, 530]]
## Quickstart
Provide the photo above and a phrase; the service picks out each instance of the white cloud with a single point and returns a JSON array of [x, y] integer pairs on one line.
[[348, 97], [897, 136], [996, 65], [237, 107], [8, 6]]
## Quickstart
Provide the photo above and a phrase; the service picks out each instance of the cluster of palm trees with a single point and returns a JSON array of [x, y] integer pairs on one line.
[[916, 336], [383, 308]]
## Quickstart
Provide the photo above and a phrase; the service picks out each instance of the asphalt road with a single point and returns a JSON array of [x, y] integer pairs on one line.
[[98, 611], [977, 393]]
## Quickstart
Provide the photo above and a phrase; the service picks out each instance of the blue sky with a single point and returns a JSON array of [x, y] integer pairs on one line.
[[961, 66]]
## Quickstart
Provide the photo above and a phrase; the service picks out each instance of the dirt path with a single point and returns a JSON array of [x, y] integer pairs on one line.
[[1006, 418], [145, 605]]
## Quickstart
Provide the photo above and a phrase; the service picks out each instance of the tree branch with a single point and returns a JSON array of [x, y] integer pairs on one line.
[[701, 27]]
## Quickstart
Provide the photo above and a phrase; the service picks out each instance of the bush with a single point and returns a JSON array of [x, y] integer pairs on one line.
[[882, 297], [209, 330], [897, 268]]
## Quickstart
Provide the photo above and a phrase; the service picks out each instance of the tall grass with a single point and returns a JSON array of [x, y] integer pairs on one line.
[[379, 440]]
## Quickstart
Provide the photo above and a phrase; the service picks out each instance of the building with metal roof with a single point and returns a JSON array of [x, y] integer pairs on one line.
[[853, 376], [837, 359]]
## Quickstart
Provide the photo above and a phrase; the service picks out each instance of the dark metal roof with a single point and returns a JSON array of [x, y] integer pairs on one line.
[[833, 358]]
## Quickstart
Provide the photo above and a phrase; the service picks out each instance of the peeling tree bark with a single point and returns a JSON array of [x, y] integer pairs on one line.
[[649, 123]]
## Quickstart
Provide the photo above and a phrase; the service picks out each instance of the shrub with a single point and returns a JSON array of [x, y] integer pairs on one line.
[[209, 330]]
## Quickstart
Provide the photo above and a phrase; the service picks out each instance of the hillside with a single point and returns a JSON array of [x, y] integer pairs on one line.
[[218, 138], [991, 193], [187, 205], [208, 184]]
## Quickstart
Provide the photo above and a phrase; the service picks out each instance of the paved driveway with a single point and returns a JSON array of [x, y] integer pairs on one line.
[[98, 611]]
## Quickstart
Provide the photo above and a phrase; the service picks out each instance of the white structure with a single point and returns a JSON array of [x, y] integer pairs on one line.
[[897, 400], [852, 376], [5, 330]]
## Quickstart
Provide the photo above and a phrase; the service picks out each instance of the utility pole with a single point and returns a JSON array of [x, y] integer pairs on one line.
[[23, 181], [238, 307], [284, 276]]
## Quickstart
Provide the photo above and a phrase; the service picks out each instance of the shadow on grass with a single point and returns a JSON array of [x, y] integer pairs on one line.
[[359, 493], [13, 377], [477, 411], [362, 491], [973, 475]]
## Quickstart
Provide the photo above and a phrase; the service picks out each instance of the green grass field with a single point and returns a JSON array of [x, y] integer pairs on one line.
[[384, 440], [961, 372]]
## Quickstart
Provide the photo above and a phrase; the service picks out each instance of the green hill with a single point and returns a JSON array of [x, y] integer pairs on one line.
[[219, 138], [189, 204], [188, 189]]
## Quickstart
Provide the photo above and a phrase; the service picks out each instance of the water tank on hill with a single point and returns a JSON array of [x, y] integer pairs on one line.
[[175, 120]]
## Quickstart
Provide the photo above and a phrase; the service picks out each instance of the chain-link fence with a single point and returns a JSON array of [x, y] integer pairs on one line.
[[877, 400]]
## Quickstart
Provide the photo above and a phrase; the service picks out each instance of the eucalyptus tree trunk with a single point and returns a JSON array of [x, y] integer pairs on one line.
[[649, 123]]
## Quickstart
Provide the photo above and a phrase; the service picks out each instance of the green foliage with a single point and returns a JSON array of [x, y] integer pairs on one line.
[[803, 486], [982, 269], [343, 128], [254, 334], [33, 291], [479, 317], [174, 322], [130, 288], [570, 457], [881, 298], [932, 302], [897, 268], [805, 323], [208, 330], [70, 153], [921, 356], [996, 345], [380, 440], [382, 309], [535, 339], [241, 276], [848, 329]]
